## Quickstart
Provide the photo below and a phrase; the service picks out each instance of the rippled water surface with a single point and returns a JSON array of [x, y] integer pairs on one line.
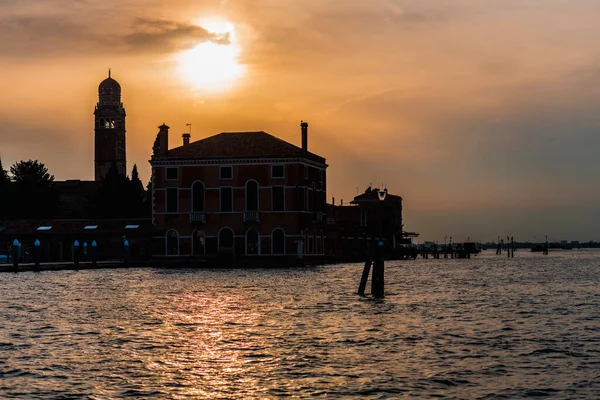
[[485, 328]]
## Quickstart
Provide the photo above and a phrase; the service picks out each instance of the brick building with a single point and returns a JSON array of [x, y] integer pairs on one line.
[[238, 194]]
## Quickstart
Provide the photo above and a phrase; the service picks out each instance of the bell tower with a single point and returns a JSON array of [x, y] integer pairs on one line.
[[109, 129]]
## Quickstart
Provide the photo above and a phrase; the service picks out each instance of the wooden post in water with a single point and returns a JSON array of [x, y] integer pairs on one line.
[[508, 246], [76, 254], [94, 254], [377, 282], [512, 247], [365, 276], [15, 254], [36, 254]]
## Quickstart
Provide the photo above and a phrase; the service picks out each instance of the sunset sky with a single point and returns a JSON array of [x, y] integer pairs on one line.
[[483, 115]]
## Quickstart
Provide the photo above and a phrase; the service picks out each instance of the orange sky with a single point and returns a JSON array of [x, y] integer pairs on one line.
[[483, 115]]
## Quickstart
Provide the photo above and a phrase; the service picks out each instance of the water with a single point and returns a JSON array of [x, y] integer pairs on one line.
[[485, 328]]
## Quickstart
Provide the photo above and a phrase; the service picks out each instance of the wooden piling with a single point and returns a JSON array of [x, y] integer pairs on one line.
[[365, 277]]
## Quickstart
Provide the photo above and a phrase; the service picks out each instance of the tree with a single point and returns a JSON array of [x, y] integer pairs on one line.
[[31, 194], [32, 174], [137, 186], [3, 174]]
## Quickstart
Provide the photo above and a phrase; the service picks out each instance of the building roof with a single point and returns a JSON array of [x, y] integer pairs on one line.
[[239, 145], [370, 195]]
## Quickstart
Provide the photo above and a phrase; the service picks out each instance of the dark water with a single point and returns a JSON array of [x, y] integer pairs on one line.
[[485, 328]]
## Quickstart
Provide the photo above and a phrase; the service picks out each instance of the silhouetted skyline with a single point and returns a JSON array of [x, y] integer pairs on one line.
[[481, 115]]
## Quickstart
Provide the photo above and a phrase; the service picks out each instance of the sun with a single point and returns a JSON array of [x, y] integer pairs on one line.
[[213, 65]]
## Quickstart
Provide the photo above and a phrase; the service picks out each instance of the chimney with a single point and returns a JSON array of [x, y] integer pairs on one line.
[[304, 126], [186, 139], [163, 139]]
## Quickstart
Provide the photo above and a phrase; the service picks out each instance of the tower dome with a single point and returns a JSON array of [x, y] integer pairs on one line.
[[109, 87]]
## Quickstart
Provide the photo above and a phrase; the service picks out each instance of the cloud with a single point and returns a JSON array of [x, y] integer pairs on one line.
[[34, 36]]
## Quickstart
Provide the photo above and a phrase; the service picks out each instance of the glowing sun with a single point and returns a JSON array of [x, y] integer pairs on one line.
[[213, 65]]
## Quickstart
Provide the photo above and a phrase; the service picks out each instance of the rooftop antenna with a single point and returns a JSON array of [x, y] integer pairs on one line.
[[190, 125], [109, 72]]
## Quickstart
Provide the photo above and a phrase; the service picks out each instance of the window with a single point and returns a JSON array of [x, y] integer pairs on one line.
[[226, 199], [278, 242], [225, 238], [198, 196], [90, 227], [172, 173], [172, 199], [278, 200], [131, 226], [44, 228], [277, 171], [251, 196], [226, 172]]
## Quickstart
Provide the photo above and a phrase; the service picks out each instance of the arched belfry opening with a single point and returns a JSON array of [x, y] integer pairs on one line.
[[109, 133]]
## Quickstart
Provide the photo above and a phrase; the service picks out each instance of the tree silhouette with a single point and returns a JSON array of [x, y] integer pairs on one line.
[[137, 187], [32, 174], [4, 179], [31, 194], [119, 196]]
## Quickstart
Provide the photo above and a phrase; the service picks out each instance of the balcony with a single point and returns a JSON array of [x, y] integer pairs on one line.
[[198, 216], [251, 216]]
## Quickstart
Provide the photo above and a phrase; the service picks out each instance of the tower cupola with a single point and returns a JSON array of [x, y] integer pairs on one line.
[[109, 90]]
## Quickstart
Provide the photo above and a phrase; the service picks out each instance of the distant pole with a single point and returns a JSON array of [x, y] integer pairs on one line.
[[512, 247], [508, 246], [546, 246], [15, 254], [94, 254], [36, 253]]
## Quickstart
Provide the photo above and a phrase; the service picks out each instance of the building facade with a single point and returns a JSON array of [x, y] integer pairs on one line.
[[241, 194], [109, 129]]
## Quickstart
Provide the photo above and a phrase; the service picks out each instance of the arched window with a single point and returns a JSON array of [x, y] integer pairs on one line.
[[252, 242], [198, 196], [172, 242], [251, 196], [278, 241], [112, 123], [198, 243], [315, 242], [106, 124], [101, 122], [226, 239], [322, 240]]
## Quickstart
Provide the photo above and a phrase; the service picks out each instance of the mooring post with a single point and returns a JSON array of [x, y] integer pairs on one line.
[[94, 253], [15, 254], [76, 254], [36, 253], [512, 247], [126, 253], [377, 283], [365, 276]]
